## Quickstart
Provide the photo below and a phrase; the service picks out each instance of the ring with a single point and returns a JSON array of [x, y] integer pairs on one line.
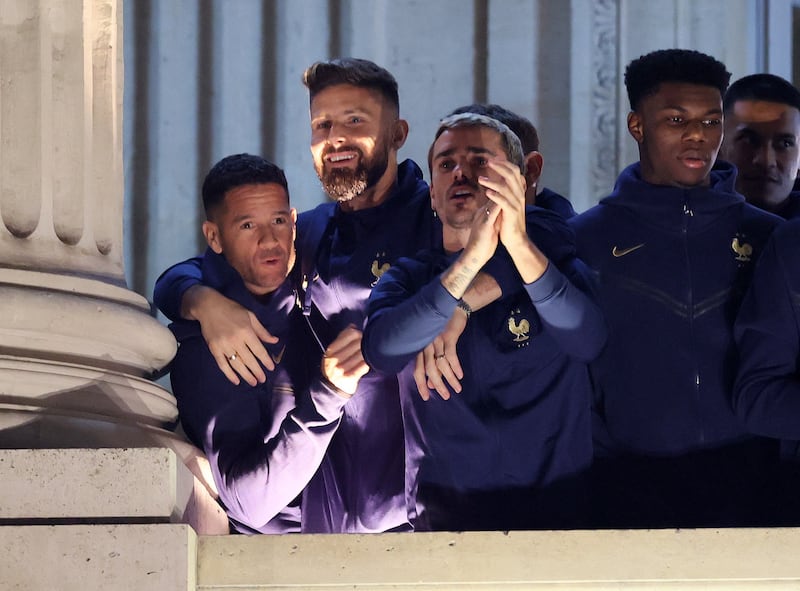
[[437, 357], [232, 357]]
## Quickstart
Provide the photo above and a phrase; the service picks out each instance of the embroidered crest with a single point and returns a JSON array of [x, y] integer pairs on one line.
[[742, 250], [377, 269], [521, 330]]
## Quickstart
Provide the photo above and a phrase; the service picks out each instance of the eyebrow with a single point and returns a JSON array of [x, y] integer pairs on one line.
[[470, 149], [247, 216], [352, 111], [682, 109]]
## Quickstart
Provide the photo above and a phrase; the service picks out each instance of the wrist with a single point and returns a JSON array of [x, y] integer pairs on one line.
[[464, 307]]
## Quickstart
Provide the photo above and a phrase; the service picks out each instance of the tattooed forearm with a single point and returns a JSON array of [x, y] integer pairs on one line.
[[457, 278]]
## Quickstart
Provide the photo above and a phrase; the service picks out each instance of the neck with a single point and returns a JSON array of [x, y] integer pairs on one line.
[[454, 239], [375, 195]]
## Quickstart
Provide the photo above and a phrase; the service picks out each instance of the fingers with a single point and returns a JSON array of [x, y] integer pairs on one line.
[[452, 332], [224, 367], [420, 378], [432, 371], [510, 189], [343, 363], [262, 333], [444, 364]]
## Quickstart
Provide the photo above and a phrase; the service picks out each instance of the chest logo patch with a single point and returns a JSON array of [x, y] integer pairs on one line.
[[378, 269], [742, 250], [621, 252], [521, 330]]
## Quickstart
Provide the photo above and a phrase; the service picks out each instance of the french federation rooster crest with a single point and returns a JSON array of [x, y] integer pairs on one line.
[[377, 271], [520, 330], [742, 249]]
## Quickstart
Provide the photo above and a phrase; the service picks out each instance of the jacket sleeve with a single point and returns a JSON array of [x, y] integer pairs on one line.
[[405, 314], [173, 283], [569, 314], [265, 443], [767, 391]]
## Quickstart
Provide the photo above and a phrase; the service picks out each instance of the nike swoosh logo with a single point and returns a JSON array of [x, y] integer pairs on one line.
[[621, 252], [277, 358]]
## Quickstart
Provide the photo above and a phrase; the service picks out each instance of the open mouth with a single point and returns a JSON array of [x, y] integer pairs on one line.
[[462, 194]]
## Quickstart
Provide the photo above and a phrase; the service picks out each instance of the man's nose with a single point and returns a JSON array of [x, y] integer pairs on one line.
[[267, 236], [696, 131], [337, 134], [765, 156], [460, 171]]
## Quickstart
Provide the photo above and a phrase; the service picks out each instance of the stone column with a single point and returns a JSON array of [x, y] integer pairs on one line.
[[76, 346]]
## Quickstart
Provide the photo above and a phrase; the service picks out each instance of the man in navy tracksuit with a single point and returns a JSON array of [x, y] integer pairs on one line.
[[767, 393], [510, 447], [263, 442], [674, 247], [762, 138]]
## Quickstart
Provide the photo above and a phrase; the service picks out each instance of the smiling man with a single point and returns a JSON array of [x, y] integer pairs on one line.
[[674, 248], [511, 447], [762, 138], [264, 442]]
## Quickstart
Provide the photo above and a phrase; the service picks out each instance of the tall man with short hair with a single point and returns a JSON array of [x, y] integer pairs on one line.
[[674, 247], [762, 138], [264, 442]]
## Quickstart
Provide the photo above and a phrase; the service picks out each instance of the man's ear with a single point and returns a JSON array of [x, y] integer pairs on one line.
[[635, 126], [399, 133], [533, 168], [211, 232]]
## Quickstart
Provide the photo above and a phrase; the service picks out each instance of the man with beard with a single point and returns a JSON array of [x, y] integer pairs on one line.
[[381, 212], [674, 247], [263, 442], [762, 138]]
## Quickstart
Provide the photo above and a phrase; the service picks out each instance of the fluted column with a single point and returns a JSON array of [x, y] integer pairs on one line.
[[76, 346]]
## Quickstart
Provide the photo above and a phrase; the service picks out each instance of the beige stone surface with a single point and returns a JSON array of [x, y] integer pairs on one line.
[[138, 484], [658, 559], [158, 557]]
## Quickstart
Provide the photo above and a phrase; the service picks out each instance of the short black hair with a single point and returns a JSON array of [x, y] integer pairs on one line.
[[354, 71], [525, 130], [644, 75], [237, 170], [762, 87]]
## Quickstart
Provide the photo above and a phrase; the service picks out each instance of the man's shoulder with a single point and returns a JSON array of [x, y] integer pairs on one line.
[[757, 221], [590, 219], [321, 211]]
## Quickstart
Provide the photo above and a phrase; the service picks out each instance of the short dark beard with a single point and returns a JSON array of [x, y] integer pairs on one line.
[[343, 184]]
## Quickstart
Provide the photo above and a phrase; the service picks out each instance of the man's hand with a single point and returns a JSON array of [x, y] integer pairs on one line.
[[483, 236], [343, 364], [508, 194], [233, 334], [440, 360]]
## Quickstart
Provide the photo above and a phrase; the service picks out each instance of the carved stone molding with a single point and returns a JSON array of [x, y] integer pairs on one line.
[[605, 69]]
